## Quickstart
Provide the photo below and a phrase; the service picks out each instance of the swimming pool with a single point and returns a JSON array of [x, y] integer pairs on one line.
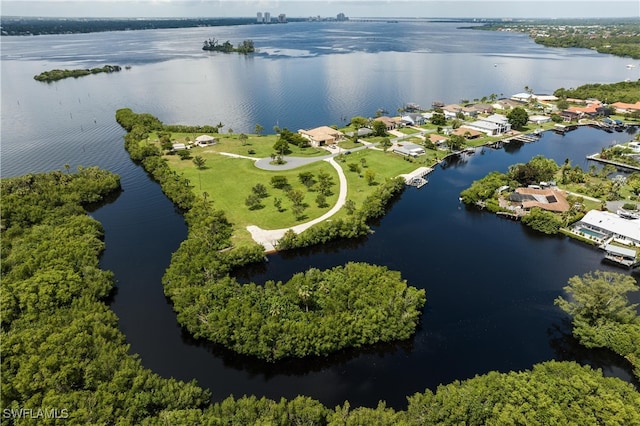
[[592, 233]]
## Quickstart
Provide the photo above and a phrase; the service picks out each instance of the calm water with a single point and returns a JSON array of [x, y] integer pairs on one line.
[[490, 282]]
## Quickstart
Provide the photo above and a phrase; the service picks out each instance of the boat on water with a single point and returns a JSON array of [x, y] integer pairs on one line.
[[630, 66]]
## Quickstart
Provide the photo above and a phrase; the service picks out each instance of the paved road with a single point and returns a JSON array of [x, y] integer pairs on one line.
[[294, 162], [269, 238]]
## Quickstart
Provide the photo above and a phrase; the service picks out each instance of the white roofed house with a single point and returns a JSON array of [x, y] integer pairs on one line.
[[413, 119], [204, 140], [492, 125], [501, 121], [612, 225], [321, 136]]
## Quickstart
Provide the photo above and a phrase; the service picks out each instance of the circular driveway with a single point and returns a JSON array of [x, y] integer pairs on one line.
[[294, 162]]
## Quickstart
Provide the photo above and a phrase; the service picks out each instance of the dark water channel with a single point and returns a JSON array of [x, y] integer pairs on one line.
[[490, 288], [490, 283]]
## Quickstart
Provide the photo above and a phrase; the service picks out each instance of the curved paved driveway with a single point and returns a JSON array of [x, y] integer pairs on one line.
[[269, 238], [291, 162]]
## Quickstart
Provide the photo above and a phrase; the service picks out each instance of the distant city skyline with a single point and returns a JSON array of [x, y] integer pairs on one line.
[[323, 8]]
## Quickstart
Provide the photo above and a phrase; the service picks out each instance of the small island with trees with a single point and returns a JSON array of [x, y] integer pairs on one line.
[[214, 45], [54, 75]]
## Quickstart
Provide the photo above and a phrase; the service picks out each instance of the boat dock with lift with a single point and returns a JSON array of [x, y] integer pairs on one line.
[[417, 177]]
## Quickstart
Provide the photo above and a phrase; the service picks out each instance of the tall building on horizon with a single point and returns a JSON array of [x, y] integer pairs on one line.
[[267, 18], [259, 18]]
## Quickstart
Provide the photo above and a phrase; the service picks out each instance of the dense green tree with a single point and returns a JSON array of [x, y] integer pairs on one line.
[[350, 206], [281, 146], [485, 188], [562, 393], [277, 203], [518, 117], [456, 142], [600, 295], [602, 315], [370, 177], [258, 129], [325, 183], [359, 122], [624, 91], [386, 143], [296, 196], [260, 190], [538, 169], [438, 119], [307, 179], [543, 221], [280, 182], [379, 128], [253, 201], [199, 162]]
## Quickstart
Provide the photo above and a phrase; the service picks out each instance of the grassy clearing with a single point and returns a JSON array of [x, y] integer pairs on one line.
[[254, 146], [349, 144], [408, 130], [385, 165], [228, 181]]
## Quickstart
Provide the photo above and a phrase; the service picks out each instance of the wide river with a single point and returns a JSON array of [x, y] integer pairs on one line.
[[490, 283]]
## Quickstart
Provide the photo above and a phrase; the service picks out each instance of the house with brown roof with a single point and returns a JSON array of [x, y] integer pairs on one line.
[[549, 199], [467, 133], [452, 110], [593, 109], [482, 108], [323, 135], [389, 122], [438, 140], [622, 107], [507, 104]]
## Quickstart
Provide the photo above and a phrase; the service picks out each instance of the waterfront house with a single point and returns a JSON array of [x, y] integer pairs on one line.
[[452, 110], [321, 136], [539, 119], [390, 123], [522, 97], [611, 225], [549, 199], [482, 109], [413, 119], [467, 133], [408, 149], [492, 125], [362, 132], [506, 104], [591, 110], [622, 107], [569, 116], [438, 140]]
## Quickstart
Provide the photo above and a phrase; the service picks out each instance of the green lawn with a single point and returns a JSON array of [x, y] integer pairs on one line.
[[349, 144], [228, 181], [254, 146], [407, 130], [385, 165]]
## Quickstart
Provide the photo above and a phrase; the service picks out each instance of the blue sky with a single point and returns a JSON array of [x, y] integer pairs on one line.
[[304, 8]]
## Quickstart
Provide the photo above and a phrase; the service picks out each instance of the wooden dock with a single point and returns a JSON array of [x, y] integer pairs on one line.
[[417, 177], [527, 138], [594, 157]]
